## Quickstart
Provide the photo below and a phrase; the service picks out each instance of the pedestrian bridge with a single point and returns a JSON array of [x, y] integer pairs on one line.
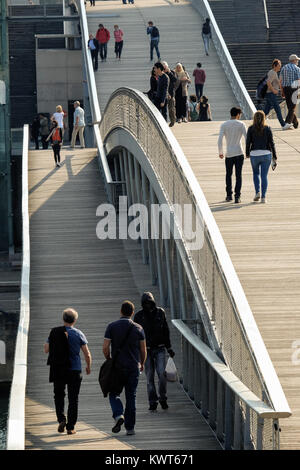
[[233, 303]]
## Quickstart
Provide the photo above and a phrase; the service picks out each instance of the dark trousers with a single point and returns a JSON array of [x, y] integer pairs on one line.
[[154, 45], [36, 141], [181, 106], [236, 162], [94, 54], [130, 397], [199, 90], [163, 109], [156, 361], [272, 102], [56, 151], [73, 382], [44, 142], [118, 49], [291, 105], [103, 50]]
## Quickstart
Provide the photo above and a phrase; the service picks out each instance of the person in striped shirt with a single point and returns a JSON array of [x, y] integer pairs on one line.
[[118, 34], [289, 84]]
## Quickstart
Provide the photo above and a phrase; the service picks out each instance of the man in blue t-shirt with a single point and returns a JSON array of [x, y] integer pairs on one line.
[[130, 337], [64, 345]]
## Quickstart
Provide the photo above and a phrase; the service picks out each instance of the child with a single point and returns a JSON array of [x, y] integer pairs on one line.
[[192, 108], [204, 109]]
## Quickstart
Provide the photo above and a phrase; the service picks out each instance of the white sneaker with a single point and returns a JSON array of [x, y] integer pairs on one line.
[[184, 119], [286, 126], [257, 197], [263, 200], [179, 121]]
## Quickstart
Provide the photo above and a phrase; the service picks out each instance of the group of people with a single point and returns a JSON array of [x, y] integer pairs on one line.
[[137, 342], [169, 92], [98, 45]]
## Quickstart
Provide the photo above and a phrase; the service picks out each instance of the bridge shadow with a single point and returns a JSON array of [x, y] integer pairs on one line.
[[219, 206]]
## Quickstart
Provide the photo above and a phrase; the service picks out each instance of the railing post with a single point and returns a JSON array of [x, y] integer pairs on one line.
[[158, 254], [237, 432], [197, 380], [182, 287], [127, 178], [204, 388], [170, 276], [247, 435], [191, 364], [260, 433], [228, 419], [122, 169], [220, 428], [212, 398], [146, 200], [139, 200]]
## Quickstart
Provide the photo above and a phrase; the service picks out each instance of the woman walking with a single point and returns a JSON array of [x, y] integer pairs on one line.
[[56, 141], [118, 34], [261, 148], [181, 93]]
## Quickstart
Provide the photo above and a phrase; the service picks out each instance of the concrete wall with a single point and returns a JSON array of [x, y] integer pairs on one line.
[[59, 79]]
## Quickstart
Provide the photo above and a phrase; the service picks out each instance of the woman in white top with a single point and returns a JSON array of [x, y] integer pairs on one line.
[[59, 117]]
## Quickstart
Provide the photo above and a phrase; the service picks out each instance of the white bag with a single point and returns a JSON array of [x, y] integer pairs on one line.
[[171, 371]]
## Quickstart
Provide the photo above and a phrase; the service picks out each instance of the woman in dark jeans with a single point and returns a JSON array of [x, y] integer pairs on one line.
[[260, 148], [55, 137]]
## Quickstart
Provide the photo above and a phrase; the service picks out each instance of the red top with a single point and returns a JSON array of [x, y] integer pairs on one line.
[[103, 35], [200, 76], [56, 135]]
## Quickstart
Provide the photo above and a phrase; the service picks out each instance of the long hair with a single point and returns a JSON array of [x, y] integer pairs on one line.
[[259, 122]]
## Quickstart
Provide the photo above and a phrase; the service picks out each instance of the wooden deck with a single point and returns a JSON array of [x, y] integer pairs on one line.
[[71, 267], [263, 241]]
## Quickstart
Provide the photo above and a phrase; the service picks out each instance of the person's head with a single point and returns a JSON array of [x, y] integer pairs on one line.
[[165, 65], [259, 121], [276, 65], [76, 104], [101, 26], [54, 123], [70, 316], [235, 113], [294, 59], [148, 302], [127, 309], [59, 108], [159, 68], [179, 67], [91, 36], [199, 65], [207, 20], [150, 23], [116, 27], [193, 98], [204, 99]]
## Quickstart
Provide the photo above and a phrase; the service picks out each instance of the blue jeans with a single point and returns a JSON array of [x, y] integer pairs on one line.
[[199, 90], [103, 50], [206, 38], [156, 360], [260, 167], [154, 44], [272, 102], [130, 396]]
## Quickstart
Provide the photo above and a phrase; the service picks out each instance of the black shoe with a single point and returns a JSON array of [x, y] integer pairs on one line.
[[228, 198], [117, 426], [61, 426], [164, 404], [237, 200], [171, 124], [153, 407]]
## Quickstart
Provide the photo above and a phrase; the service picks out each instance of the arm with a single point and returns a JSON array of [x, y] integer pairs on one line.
[[209, 112], [87, 357], [106, 348], [248, 142], [143, 353], [220, 141], [271, 144], [46, 348]]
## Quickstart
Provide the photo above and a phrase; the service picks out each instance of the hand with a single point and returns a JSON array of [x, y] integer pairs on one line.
[[275, 92], [141, 368], [162, 105], [247, 156], [88, 370], [221, 155], [171, 352]]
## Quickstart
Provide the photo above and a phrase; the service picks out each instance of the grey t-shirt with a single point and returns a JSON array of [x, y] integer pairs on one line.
[[273, 78]]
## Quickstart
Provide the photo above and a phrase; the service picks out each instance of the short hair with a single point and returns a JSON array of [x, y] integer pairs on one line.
[[116, 25], [70, 315], [235, 111], [77, 102], [159, 65], [127, 308], [199, 64], [276, 62], [193, 98], [59, 108], [100, 25], [150, 22]]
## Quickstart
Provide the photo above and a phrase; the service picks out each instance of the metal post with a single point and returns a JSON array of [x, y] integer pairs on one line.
[[146, 201], [247, 436], [237, 432], [116, 169], [220, 428], [158, 256], [170, 276], [259, 433], [197, 380], [131, 173], [182, 287], [139, 200], [204, 386], [212, 398], [185, 349], [122, 169], [191, 364], [127, 177], [228, 419]]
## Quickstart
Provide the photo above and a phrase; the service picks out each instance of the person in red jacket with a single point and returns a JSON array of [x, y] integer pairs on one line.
[[102, 36]]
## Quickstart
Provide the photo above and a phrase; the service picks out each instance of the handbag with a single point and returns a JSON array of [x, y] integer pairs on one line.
[[111, 377]]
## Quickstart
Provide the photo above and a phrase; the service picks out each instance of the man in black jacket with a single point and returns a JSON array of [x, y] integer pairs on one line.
[[162, 89], [93, 46], [153, 320]]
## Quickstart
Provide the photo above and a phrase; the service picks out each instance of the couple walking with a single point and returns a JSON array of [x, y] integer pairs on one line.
[[260, 148], [138, 344]]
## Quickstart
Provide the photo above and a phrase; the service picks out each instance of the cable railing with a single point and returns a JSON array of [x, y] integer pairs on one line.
[[16, 412]]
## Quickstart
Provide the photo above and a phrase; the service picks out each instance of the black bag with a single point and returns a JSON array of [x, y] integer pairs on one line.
[[111, 377], [154, 32], [261, 88], [206, 28]]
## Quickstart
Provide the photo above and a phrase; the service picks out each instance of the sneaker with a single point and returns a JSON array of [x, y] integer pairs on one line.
[[184, 120], [164, 404], [71, 431], [228, 198], [179, 121], [153, 407], [256, 197], [263, 200], [61, 426], [130, 432], [117, 426], [171, 124], [287, 126], [237, 200]]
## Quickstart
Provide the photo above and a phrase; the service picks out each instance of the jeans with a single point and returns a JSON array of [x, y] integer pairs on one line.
[[56, 152], [77, 129], [118, 49], [272, 102], [291, 116], [199, 90], [156, 360], [154, 44], [260, 167], [103, 50], [94, 54], [73, 382], [236, 162], [163, 109], [130, 396], [206, 38]]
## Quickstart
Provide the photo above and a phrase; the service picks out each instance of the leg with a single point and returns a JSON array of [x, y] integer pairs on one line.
[[130, 394], [160, 365], [268, 105], [184, 109], [54, 153], [229, 168], [265, 165], [277, 109], [201, 89], [151, 49], [74, 383], [149, 370], [289, 91], [105, 50], [255, 163], [157, 50], [120, 48], [58, 153], [164, 110], [74, 135], [239, 160], [101, 51], [171, 108], [59, 400], [81, 136], [116, 405]]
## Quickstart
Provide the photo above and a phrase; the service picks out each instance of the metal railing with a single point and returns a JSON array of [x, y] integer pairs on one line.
[[16, 412], [229, 67], [266, 16], [223, 297]]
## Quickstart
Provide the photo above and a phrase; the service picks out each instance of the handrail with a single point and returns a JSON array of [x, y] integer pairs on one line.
[[266, 15], [229, 67], [16, 412]]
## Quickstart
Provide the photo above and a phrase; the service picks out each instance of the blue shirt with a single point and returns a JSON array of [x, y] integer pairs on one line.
[[91, 44], [289, 74], [129, 356], [76, 339]]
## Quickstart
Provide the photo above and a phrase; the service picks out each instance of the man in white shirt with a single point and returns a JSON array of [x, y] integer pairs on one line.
[[233, 130], [78, 124]]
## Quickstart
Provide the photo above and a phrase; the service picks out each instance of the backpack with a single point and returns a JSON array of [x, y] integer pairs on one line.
[[56, 139], [261, 88], [193, 114], [206, 28], [154, 32]]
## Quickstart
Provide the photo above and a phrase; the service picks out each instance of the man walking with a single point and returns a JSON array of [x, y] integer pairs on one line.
[[290, 82], [130, 360], [64, 345], [78, 125], [173, 82], [153, 320], [103, 36], [154, 39], [273, 91], [93, 46], [233, 130], [200, 77], [160, 100]]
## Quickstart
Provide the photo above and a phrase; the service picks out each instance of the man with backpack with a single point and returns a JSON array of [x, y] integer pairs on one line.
[[273, 90], [102, 36], [154, 39], [206, 35], [154, 323]]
